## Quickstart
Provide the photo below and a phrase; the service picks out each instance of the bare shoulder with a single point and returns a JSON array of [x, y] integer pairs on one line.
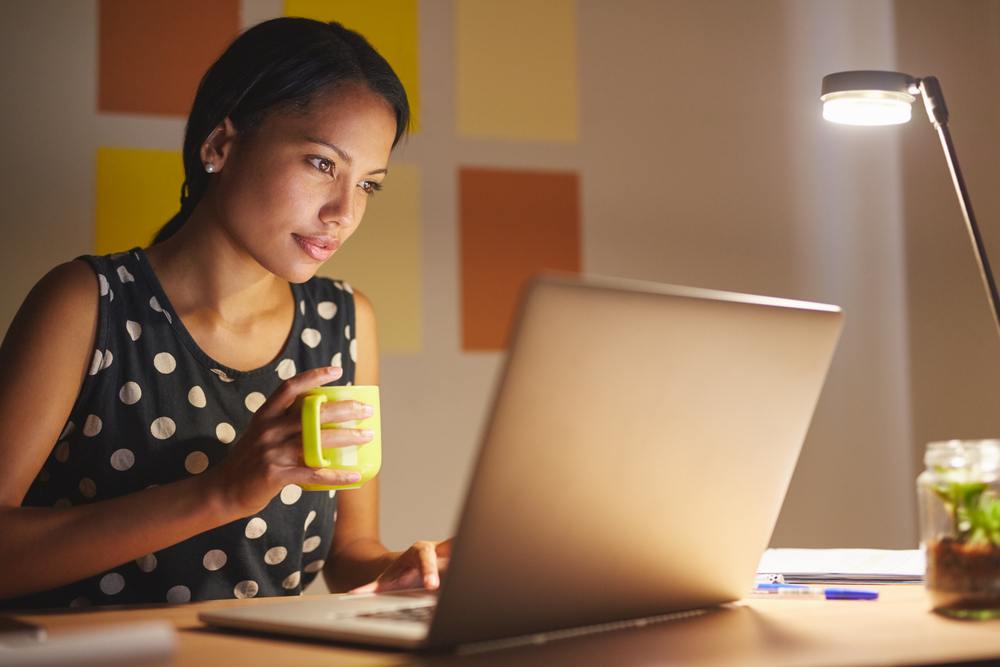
[[65, 299], [46, 352], [365, 349]]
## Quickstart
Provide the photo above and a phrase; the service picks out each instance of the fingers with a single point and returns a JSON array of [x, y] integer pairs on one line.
[[291, 388], [428, 565], [367, 588], [345, 437], [321, 476], [342, 411]]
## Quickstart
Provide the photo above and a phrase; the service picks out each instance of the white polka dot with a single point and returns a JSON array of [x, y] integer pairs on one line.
[[347, 331], [165, 362], [196, 397], [196, 463], [108, 358], [134, 329], [332, 492], [354, 350], [62, 452], [309, 519], [225, 433], [179, 595], [311, 337], [88, 488], [286, 369], [62, 502], [130, 393], [315, 566], [222, 375], [167, 315], [112, 583], [291, 493], [346, 286], [214, 560], [69, 428], [302, 307], [275, 555], [95, 365], [124, 275], [337, 360], [92, 426], [310, 544], [246, 589], [103, 282], [79, 602], [255, 528], [326, 309], [111, 295], [122, 459], [154, 304], [291, 581], [162, 428], [146, 563], [254, 400]]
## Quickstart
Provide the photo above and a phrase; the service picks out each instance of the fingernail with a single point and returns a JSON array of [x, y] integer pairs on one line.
[[368, 410], [432, 581], [367, 433], [334, 370], [353, 477]]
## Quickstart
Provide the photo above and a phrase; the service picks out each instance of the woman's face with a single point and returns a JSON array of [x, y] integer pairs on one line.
[[294, 190]]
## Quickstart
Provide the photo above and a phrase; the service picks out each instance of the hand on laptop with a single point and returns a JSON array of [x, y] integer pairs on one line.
[[419, 566]]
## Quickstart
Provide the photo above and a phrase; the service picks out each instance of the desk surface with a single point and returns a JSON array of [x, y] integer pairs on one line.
[[897, 629]]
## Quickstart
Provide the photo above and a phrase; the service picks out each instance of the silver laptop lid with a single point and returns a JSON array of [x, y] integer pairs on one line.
[[641, 442]]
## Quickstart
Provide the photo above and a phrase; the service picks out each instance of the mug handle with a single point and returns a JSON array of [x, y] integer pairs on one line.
[[312, 444]]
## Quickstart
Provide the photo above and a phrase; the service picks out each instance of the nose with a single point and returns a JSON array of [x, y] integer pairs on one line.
[[339, 207]]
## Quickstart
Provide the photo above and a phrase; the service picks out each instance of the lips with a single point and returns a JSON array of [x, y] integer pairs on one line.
[[318, 248]]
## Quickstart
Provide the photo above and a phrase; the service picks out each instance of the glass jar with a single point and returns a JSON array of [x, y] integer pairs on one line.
[[959, 497]]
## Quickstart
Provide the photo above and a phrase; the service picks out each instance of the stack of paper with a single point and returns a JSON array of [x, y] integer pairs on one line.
[[845, 566]]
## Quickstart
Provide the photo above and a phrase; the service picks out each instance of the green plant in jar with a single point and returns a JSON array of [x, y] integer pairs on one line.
[[960, 517]]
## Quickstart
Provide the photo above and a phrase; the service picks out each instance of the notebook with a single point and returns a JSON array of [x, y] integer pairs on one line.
[[640, 444]]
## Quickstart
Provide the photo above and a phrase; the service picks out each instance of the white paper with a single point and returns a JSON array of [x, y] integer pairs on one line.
[[145, 643], [845, 565]]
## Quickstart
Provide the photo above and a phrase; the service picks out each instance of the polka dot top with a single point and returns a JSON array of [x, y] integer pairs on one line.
[[153, 409]]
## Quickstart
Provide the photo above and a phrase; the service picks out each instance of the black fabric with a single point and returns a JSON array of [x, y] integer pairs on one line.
[[154, 409]]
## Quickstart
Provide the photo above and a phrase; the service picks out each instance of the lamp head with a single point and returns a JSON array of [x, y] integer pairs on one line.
[[868, 97]]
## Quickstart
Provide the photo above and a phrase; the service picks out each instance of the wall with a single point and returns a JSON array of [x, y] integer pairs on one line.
[[703, 160]]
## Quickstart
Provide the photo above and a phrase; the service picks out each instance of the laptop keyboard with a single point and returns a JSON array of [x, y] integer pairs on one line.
[[411, 614]]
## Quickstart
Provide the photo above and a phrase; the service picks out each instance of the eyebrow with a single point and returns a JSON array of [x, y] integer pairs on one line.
[[342, 154]]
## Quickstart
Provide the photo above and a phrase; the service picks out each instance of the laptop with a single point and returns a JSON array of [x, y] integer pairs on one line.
[[640, 443]]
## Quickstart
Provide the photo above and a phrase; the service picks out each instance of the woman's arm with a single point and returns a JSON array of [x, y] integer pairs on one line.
[[357, 555], [43, 361]]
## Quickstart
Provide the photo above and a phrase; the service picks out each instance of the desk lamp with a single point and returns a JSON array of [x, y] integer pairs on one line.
[[885, 98]]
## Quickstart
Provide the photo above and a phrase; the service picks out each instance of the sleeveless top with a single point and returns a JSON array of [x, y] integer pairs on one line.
[[155, 409]]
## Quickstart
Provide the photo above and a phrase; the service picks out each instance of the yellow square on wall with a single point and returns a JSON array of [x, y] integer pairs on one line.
[[138, 191], [390, 26]]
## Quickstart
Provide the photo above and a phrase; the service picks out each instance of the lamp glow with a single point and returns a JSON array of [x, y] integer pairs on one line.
[[875, 97], [868, 107]]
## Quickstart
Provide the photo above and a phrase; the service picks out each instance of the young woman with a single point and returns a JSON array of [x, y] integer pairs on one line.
[[151, 450]]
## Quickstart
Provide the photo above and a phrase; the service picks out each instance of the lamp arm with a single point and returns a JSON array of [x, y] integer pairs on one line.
[[937, 112]]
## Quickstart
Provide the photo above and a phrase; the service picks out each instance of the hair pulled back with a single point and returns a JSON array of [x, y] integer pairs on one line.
[[278, 65]]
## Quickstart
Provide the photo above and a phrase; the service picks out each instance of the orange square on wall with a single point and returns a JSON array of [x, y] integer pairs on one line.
[[512, 224], [153, 53]]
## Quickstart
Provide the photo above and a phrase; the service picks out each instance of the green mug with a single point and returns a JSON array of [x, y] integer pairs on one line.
[[364, 459]]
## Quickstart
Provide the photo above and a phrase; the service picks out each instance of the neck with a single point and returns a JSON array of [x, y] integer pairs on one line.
[[205, 271]]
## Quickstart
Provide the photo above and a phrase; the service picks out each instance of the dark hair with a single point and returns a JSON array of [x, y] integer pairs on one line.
[[278, 65]]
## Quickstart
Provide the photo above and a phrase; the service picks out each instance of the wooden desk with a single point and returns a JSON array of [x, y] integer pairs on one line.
[[897, 629]]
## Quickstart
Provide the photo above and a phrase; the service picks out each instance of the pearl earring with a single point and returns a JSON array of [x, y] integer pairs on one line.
[[210, 168]]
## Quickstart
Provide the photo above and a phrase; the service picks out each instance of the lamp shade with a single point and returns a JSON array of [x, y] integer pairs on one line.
[[868, 97]]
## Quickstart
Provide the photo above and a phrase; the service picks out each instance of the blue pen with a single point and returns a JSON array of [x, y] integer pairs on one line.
[[801, 591]]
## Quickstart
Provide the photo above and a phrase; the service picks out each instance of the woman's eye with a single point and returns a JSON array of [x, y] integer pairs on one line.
[[322, 164], [370, 187]]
